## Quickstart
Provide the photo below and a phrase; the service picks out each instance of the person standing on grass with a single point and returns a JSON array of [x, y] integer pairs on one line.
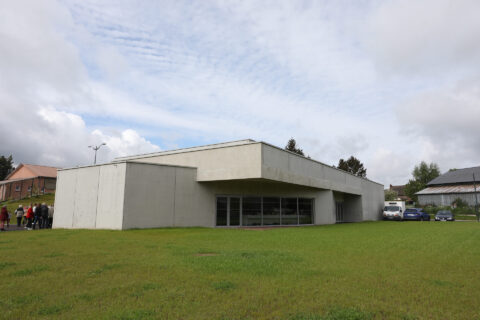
[[44, 210], [50, 216], [19, 214], [3, 218], [37, 216], [29, 217]]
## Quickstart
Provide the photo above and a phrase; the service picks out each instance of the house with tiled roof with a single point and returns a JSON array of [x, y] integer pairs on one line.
[[27, 180]]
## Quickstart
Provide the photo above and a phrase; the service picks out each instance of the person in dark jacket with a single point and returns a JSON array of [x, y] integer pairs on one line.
[[44, 211], [3, 218], [19, 214], [37, 217]]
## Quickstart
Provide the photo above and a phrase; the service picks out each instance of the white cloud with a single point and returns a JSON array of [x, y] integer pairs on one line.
[[427, 37], [74, 74], [445, 123], [42, 73]]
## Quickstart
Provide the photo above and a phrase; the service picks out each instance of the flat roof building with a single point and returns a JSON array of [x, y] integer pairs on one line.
[[240, 183]]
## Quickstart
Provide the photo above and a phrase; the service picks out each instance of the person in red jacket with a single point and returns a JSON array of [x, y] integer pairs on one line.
[[4, 218], [29, 217]]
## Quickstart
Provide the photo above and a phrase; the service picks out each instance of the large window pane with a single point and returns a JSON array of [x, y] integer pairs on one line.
[[222, 211], [252, 211], [234, 211], [271, 211], [289, 211], [305, 210]]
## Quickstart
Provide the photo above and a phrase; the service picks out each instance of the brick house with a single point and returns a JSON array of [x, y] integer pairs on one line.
[[27, 180], [400, 190]]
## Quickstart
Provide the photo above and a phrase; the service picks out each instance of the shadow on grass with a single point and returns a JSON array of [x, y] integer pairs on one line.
[[53, 309], [223, 285], [104, 268], [30, 271], [4, 265]]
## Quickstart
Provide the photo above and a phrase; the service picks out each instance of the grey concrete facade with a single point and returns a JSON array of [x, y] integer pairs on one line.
[[180, 187]]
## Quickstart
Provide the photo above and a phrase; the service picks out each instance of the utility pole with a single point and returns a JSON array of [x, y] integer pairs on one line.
[[96, 149], [476, 199]]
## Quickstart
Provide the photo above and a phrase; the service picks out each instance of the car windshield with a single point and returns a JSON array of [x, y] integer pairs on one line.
[[410, 211], [392, 208], [444, 213]]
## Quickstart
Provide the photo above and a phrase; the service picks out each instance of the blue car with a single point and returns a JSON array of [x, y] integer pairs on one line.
[[416, 214]]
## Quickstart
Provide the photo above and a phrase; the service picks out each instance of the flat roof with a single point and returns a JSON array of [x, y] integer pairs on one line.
[[126, 161], [228, 145], [189, 149]]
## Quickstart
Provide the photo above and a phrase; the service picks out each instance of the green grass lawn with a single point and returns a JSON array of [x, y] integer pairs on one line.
[[374, 270]]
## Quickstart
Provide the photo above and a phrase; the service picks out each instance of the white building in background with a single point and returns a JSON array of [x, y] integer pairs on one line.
[[241, 183]]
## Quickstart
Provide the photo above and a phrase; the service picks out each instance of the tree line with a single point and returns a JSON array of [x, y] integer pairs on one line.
[[351, 165]]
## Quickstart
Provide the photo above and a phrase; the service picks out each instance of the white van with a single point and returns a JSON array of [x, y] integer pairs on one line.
[[393, 210]]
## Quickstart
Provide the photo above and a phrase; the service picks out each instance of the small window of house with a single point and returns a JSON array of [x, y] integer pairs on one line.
[[17, 188]]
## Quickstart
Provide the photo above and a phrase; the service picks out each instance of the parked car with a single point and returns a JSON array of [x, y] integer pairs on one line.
[[444, 215], [416, 214]]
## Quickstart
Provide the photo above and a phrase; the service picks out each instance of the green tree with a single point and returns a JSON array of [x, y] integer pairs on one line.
[[353, 165], [425, 173], [292, 146], [390, 195], [6, 166], [422, 174]]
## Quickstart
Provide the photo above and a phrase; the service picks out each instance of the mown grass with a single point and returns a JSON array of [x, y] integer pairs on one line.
[[377, 270]]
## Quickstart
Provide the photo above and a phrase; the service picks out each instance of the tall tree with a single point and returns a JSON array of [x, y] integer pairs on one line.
[[425, 173], [422, 174], [354, 166], [390, 195], [6, 166], [292, 146]]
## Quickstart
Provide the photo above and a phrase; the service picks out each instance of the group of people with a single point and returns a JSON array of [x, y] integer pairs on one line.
[[30, 217]]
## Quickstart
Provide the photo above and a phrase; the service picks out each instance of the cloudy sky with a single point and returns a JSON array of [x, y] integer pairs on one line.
[[390, 82]]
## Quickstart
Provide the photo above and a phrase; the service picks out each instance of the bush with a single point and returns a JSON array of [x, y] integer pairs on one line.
[[464, 210], [460, 203]]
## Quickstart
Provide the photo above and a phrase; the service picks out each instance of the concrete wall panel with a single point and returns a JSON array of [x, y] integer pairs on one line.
[[194, 202], [230, 163], [65, 199], [149, 196], [86, 193], [110, 196], [325, 207]]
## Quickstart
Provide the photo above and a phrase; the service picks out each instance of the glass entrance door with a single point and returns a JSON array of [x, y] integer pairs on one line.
[[234, 212], [339, 211], [228, 211]]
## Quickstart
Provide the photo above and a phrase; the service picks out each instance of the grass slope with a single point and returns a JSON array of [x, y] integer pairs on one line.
[[12, 205], [377, 270]]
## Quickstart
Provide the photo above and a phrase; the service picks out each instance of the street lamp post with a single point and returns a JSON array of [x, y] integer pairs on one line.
[[96, 149]]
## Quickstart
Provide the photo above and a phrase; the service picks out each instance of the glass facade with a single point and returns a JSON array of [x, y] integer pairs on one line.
[[252, 211], [263, 211], [222, 210], [271, 211]]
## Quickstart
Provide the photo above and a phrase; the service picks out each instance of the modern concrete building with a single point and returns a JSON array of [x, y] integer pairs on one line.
[[241, 183]]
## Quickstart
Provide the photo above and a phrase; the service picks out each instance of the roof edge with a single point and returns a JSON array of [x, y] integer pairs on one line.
[[188, 149]]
